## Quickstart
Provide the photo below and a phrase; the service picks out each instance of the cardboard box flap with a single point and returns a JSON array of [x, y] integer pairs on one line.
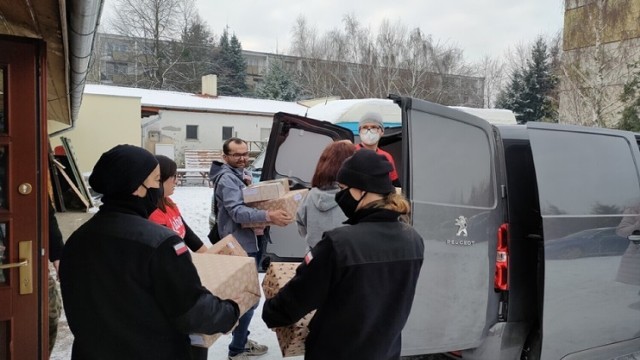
[[228, 245]]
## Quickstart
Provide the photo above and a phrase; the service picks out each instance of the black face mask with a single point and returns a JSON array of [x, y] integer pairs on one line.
[[152, 198], [347, 203]]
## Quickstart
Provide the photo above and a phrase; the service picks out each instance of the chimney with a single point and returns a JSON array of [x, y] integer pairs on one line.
[[210, 85]]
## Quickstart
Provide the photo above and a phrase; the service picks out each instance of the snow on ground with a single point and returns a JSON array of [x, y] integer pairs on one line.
[[195, 204]]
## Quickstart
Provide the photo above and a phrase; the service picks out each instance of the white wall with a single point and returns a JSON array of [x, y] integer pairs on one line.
[[172, 126], [104, 121]]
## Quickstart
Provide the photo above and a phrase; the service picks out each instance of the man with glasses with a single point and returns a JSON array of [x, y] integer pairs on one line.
[[232, 212], [371, 129]]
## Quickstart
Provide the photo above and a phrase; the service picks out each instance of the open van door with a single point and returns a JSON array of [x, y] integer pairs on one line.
[[294, 147], [451, 174], [588, 184]]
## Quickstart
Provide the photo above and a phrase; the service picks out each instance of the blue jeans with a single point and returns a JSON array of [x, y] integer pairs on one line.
[[241, 333]]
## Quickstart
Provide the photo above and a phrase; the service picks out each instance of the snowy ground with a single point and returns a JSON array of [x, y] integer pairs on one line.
[[195, 204]]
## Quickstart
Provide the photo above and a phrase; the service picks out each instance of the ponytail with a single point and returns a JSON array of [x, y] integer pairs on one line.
[[396, 202]]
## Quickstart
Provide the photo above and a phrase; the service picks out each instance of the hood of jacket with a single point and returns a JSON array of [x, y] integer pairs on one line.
[[323, 200]]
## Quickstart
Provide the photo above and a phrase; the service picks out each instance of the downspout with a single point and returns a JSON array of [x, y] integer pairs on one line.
[[83, 17]]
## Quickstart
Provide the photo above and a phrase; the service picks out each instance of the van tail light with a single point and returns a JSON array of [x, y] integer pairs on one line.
[[501, 279]]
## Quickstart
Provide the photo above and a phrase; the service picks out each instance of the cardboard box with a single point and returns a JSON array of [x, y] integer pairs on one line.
[[228, 277], [289, 202], [265, 190], [283, 180], [228, 245], [290, 338]]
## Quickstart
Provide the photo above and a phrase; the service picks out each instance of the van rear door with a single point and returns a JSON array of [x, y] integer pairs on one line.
[[452, 176], [294, 147], [587, 179]]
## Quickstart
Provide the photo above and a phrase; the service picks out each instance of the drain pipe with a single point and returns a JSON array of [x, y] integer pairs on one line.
[[84, 17]]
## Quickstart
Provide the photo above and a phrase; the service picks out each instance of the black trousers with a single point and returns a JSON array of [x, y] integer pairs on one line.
[[199, 353]]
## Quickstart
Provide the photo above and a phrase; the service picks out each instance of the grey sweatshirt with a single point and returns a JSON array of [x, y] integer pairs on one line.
[[318, 213]]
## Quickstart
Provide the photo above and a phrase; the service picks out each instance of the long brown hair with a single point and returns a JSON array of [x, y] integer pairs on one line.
[[168, 169], [330, 161]]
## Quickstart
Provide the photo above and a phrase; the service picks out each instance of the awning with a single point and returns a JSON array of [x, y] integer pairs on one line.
[[68, 27]]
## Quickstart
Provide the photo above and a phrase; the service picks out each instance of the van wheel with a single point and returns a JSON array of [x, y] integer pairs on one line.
[[532, 347]]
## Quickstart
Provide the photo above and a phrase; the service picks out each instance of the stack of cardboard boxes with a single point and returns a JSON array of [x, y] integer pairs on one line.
[[273, 195]]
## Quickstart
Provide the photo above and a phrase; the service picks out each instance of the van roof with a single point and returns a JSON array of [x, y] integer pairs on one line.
[[348, 112]]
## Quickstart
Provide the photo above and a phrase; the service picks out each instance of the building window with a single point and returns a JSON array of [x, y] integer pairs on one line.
[[227, 132], [192, 132]]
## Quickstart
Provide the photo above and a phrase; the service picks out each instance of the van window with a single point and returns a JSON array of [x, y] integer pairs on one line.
[[571, 165], [452, 163], [299, 153]]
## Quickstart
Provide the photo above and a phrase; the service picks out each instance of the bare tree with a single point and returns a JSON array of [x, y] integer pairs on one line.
[[355, 62], [492, 69], [156, 27], [594, 63]]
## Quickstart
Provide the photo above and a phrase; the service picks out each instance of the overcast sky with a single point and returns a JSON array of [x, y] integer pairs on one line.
[[479, 27]]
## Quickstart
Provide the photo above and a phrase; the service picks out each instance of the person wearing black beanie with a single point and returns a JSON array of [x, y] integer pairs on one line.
[[360, 278], [129, 287], [121, 170]]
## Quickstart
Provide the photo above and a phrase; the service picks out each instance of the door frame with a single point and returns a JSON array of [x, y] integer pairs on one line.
[[26, 219]]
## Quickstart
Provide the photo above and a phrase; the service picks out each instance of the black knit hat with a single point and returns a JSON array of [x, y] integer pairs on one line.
[[366, 170], [121, 170]]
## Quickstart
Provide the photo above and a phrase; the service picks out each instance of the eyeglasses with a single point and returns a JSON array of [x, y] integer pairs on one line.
[[238, 156], [369, 128]]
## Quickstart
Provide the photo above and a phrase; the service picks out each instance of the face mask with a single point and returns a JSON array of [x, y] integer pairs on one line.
[[370, 137], [347, 203], [152, 198]]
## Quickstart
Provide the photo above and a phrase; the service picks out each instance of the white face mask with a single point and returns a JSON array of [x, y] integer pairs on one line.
[[369, 137]]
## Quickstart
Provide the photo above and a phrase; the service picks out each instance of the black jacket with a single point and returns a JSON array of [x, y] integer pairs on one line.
[[361, 279], [130, 290], [55, 236]]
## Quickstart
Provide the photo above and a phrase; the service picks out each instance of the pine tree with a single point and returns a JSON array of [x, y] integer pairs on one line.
[[196, 52], [529, 93], [231, 66], [631, 98], [278, 83]]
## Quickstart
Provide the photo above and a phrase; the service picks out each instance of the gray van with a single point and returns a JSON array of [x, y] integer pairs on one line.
[[523, 254]]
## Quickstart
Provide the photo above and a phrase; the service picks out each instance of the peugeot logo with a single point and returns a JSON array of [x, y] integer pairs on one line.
[[461, 223]]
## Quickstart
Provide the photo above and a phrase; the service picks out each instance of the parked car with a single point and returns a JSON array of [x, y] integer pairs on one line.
[[492, 202], [256, 166]]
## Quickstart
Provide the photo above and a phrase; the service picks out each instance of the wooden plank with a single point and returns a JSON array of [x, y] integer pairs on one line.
[[58, 200], [71, 156], [73, 186]]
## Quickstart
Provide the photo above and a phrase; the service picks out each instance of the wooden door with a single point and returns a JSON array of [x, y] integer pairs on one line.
[[23, 290]]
